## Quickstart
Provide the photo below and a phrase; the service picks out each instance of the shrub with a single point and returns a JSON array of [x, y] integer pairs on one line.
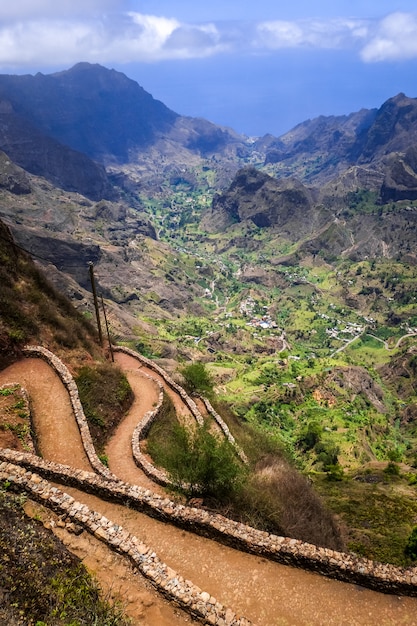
[[105, 395], [410, 549], [327, 454], [392, 469], [310, 436], [197, 378], [199, 459], [278, 499]]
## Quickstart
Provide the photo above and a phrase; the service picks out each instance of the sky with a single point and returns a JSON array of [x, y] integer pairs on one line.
[[258, 67]]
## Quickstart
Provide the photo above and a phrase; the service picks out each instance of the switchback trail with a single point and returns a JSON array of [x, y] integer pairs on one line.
[[265, 592]]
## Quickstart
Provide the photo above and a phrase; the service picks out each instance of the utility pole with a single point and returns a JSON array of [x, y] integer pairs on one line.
[[107, 328], [93, 287]]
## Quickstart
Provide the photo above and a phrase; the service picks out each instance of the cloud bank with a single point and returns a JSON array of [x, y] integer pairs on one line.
[[395, 38], [102, 31]]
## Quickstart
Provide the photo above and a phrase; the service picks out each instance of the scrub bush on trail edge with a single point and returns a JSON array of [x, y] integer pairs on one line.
[[199, 459], [270, 495], [106, 396], [197, 378]]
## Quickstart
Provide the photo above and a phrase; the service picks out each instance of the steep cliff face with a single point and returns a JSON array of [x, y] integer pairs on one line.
[[12, 177], [394, 129], [44, 156], [286, 204], [97, 111], [400, 181], [322, 149], [107, 116]]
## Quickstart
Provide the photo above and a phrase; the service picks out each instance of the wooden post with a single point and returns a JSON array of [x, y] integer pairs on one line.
[[93, 287], [107, 328]]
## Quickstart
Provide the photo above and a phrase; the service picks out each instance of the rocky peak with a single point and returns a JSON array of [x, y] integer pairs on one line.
[[393, 130], [89, 108], [267, 202]]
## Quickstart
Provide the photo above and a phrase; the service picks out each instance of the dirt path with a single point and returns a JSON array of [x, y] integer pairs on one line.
[[60, 441], [56, 429], [118, 449], [267, 593]]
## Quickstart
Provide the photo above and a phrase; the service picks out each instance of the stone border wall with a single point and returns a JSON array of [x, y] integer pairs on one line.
[[64, 374], [182, 593], [169, 381], [140, 433], [225, 429], [342, 566], [189, 402]]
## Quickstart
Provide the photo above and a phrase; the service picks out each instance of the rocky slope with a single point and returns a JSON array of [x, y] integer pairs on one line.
[[106, 116], [320, 222], [42, 155], [87, 150]]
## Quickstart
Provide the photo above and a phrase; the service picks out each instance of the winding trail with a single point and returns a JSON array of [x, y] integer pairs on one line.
[[265, 592], [385, 343], [146, 393]]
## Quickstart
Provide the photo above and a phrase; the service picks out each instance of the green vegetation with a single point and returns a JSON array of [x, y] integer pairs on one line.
[[105, 395], [201, 463], [310, 349], [32, 310], [15, 427], [410, 549], [270, 494], [197, 378], [377, 511], [41, 582]]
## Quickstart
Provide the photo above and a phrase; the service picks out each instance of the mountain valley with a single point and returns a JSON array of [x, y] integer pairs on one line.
[[286, 265]]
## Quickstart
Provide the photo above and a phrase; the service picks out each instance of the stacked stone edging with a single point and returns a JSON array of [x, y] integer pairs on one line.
[[140, 433], [169, 381], [190, 403], [69, 383], [175, 588], [224, 428], [342, 566]]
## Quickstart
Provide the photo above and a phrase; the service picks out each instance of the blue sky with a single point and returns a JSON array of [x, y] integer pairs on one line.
[[257, 67]]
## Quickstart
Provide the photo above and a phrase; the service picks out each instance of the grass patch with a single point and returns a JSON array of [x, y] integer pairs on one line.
[[106, 396], [377, 512], [41, 582]]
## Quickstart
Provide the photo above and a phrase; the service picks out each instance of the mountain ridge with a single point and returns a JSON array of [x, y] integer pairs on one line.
[[311, 198]]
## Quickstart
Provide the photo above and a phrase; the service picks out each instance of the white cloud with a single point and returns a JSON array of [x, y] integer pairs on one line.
[[65, 32], [335, 33], [118, 38], [192, 41], [395, 38], [278, 34]]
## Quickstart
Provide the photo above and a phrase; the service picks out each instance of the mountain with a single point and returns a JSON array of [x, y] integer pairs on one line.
[[68, 125], [89, 108], [319, 150], [314, 220], [106, 173], [267, 202], [105, 115], [42, 155]]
